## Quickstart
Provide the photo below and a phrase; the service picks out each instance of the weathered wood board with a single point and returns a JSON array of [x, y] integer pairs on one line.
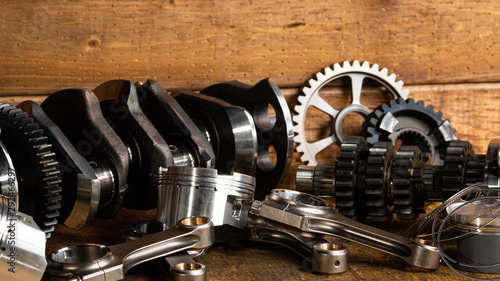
[[48, 45]]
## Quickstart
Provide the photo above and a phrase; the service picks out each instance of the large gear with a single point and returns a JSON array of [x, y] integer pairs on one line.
[[35, 164], [412, 124], [357, 73], [378, 167], [349, 176]]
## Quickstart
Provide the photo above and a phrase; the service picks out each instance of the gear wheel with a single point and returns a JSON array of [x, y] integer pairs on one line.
[[357, 73], [378, 165], [37, 170], [475, 169], [349, 176], [412, 124], [456, 161], [407, 183]]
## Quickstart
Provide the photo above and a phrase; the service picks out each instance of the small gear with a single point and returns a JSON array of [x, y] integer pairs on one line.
[[36, 168], [411, 124], [349, 176], [407, 183], [357, 73], [456, 161], [378, 166], [475, 169]]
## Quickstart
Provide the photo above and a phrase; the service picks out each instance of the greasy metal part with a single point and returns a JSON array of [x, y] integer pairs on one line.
[[319, 180], [35, 165], [99, 262], [188, 191], [174, 125], [81, 188], [297, 212], [230, 130], [23, 244], [330, 258], [274, 128], [78, 115], [311, 98], [147, 150], [411, 124]]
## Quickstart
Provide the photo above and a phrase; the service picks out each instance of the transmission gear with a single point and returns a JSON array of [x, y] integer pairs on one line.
[[311, 98], [349, 175], [412, 124], [378, 167], [407, 184], [37, 170]]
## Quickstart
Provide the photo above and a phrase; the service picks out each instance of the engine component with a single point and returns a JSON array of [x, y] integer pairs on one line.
[[303, 214], [187, 191], [27, 155], [412, 124], [112, 263], [147, 150], [230, 130], [81, 189], [274, 128], [479, 232], [23, 244], [184, 268], [311, 98], [189, 146], [78, 114], [367, 182], [327, 254]]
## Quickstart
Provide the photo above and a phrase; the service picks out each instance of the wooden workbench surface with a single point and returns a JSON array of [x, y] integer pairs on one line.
[[241, 260]]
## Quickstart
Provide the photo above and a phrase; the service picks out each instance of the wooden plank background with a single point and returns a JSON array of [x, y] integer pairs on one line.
[[446, 52]]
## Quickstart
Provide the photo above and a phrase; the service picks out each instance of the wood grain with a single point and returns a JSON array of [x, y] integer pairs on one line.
[[48, 45]]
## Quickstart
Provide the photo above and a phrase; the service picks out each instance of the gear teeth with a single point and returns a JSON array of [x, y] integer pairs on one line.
[[16, 122], [346, 64], [356, 64], [366, 65], [378, 164], [456, 160]]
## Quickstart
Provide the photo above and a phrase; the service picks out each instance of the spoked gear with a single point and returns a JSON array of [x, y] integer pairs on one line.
[[357, 74], [412, 124], [349, 175], [36, 167], [378, 168]]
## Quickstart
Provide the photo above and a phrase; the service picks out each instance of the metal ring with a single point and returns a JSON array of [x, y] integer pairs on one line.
[[330, 258]]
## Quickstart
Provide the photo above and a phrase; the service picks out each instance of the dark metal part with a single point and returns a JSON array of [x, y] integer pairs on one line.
[[412, 124], [78, 114], [175, 126], [349, 176], [35, 164], [274, 128], [81, 188], [147, 150], [230, 130]]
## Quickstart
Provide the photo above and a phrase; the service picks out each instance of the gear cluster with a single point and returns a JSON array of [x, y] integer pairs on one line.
[[372, 183]]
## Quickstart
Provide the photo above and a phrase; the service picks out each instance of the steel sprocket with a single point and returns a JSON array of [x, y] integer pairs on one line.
[[310, 97], [35, 164]]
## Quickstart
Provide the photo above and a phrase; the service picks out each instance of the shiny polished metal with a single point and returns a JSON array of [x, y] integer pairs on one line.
[[478, 227], [311, 97], [23, 245], [99, 262], [303, 214], [188, 191], [330, 258]]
